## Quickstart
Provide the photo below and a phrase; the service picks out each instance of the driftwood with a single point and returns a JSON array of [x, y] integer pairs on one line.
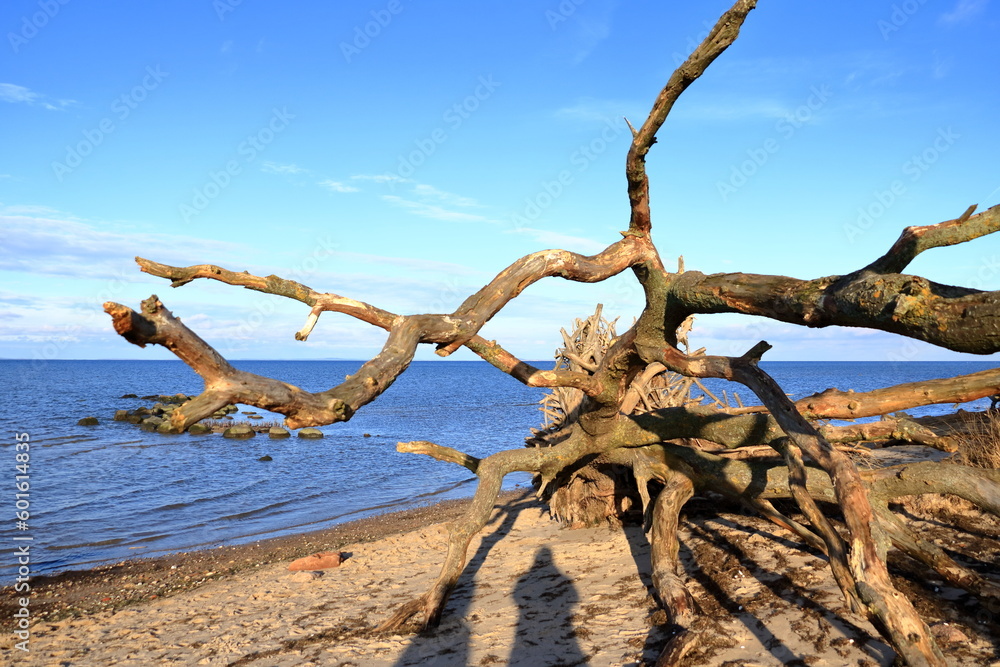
[[649, 444]]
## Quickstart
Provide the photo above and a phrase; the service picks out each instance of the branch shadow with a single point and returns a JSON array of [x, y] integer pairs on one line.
[[720, 605], [782, 587], [659, 634], [454, 626]]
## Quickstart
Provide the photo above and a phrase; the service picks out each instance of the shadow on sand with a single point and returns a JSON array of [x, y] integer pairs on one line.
[[545, 597]]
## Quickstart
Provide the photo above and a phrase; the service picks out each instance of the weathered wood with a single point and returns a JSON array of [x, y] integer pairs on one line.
[[608, 378]]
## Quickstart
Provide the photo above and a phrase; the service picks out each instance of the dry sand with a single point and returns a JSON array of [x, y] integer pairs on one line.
[[533, 594]]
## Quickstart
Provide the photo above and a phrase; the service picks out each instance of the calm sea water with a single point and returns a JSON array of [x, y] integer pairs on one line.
[[111, 491]]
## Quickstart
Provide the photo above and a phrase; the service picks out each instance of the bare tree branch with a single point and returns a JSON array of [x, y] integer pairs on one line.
[[719, 38], [915, 240]]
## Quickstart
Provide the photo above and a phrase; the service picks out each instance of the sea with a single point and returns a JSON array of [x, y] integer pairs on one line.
[[110, 492]]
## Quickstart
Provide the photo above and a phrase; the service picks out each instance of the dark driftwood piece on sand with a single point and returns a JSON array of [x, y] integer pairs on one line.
[[876, 296]]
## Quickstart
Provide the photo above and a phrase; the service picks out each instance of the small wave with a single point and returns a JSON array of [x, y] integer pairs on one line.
[[96, 449], [83, 545], [62, 440], [203, 499]]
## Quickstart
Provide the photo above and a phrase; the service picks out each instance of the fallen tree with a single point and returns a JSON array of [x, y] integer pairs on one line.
[[661, 444]]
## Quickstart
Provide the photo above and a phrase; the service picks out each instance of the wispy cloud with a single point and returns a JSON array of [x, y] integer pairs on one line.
[[561, 241], [587, 26], [591, 110], [942, 65], [31, 209], [15, 94], [429, 202], [426, 210], [964, 10], [381, 178], [337, 186], [269, 167], [430, 192], [46, 244]]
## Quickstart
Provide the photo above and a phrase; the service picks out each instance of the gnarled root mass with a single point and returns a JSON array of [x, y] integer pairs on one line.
[[629, 439]]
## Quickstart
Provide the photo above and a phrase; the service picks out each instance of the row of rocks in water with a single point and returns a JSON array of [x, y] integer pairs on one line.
[[244, 431], [157, 419]]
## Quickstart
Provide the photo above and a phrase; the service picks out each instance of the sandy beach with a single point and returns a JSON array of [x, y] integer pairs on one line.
[[534, 593]]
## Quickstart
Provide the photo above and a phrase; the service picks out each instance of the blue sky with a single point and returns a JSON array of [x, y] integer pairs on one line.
[[403, 153]]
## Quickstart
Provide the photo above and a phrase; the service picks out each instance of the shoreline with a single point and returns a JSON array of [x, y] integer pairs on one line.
[[121, 584]]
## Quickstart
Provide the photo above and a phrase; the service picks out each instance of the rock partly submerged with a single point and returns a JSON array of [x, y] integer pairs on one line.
[[166, 428], [239, 432]]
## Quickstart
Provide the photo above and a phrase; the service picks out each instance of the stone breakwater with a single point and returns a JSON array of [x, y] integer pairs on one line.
[[156, 418]]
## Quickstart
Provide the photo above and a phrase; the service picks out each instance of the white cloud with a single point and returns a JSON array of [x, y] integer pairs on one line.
[[15, 94], [433, 211], [964, 10], [429, 202], [430, 192], [587, 26], [337, 186], [32, 209], [381, 178], [269, 167], [561, 241], [35, 240], [942, 65]]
